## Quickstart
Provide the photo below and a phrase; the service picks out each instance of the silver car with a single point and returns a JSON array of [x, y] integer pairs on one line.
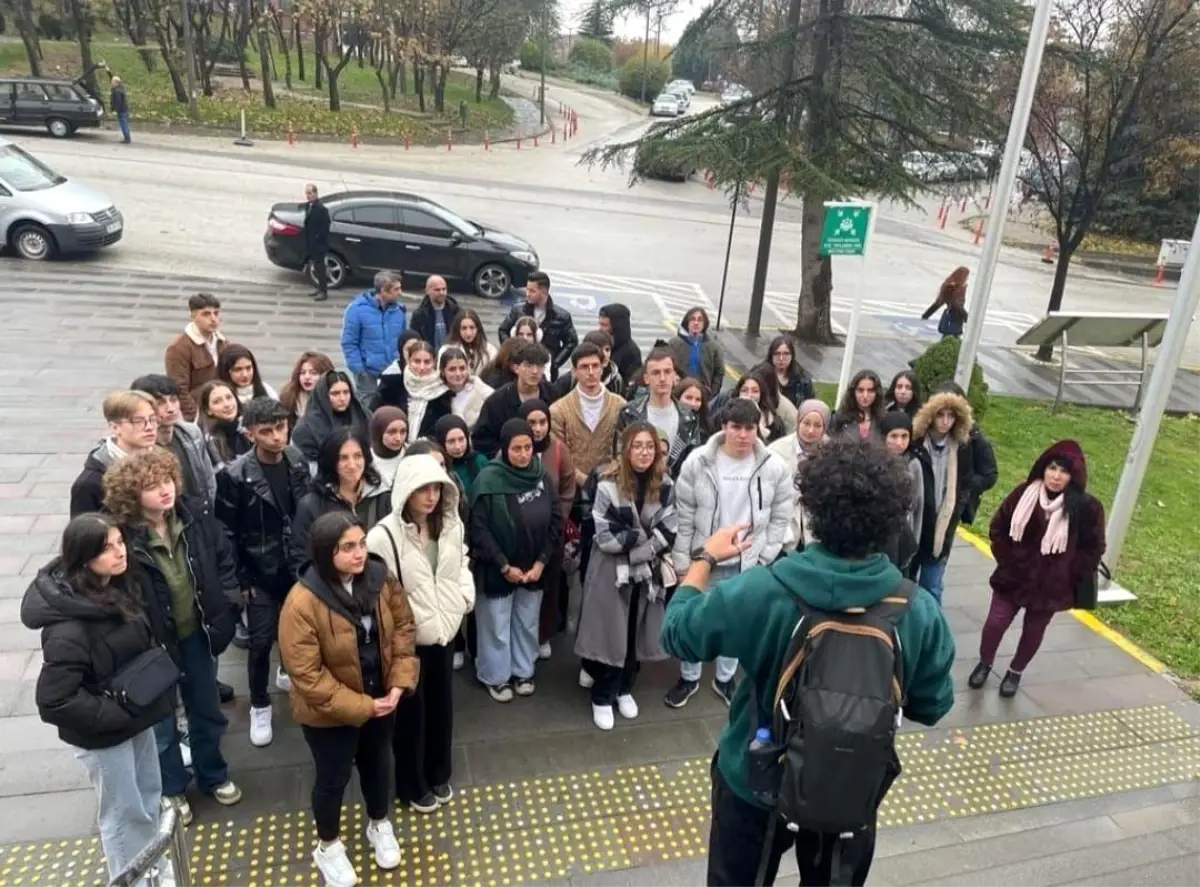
[[43, 215]]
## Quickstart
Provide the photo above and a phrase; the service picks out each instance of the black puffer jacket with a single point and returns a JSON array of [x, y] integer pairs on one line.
[[84, 644], [375, 504], [257, 527], [213, 574], [625, 353], [558, 331]]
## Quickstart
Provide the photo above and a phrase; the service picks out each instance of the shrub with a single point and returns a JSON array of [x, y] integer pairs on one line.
[[591, 54], [50, 26], [656, 74], [937, 365], [531, 56]]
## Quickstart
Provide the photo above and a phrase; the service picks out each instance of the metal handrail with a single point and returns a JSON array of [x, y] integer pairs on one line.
[[170, 836]]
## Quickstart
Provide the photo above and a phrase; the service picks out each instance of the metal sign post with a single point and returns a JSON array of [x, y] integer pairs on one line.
[[846, 231]]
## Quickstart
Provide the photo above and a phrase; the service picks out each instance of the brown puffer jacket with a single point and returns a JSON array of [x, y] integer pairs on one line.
[[318, 643]]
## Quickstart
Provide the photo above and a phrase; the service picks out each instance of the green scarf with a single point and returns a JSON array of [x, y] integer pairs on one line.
[[498, 479]]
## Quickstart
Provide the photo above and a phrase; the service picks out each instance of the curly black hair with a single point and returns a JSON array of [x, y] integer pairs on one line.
[[856, 495]]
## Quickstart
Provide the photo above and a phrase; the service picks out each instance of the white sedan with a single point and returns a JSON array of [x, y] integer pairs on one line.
[[665, 105]]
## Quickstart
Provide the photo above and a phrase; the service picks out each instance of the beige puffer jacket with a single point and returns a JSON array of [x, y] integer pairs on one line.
[[440, 600]]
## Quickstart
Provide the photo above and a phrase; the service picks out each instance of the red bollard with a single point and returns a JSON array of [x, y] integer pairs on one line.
[[291, 134], [353, 136], [944, 215], [406, 141], [963, 207], [978, 231], [987, 200]]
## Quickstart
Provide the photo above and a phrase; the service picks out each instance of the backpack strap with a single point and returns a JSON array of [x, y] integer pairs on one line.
[[395, 550]]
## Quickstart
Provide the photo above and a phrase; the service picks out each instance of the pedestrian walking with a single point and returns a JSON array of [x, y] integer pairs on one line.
[[346, 637], [294, 394], [118, 100], [331, 405], [95, 637], [423, 543], [861, 408], [191, 358], [696, 354], [515, 527], [1047, 538], [316, 241], [371, 328], [238, 367], [629, 573], [952, 297]]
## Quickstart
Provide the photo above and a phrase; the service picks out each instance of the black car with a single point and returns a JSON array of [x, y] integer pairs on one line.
[[384, 230], [62, 106]]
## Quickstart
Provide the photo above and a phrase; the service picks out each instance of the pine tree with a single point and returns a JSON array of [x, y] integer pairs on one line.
[[597, 23]]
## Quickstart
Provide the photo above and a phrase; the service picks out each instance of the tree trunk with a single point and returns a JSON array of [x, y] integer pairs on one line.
[[27, 27], [478, 84], [264, 62], [1061, 268], [299, 44], [494, 85], [419, 85], [83, 33], [335, 97], [439, 73], [173, 69], [383, 89], [284, 50]]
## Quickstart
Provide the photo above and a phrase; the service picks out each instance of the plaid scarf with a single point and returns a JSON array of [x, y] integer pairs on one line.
[[644, 540]]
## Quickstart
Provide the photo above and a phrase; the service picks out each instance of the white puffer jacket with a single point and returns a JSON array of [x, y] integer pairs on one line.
[[440, 600]]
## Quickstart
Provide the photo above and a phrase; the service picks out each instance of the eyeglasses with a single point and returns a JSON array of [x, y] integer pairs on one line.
[[643, 447], [142, 423]]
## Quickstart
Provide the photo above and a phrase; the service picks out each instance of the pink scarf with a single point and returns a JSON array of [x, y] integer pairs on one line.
[[1058, 526]]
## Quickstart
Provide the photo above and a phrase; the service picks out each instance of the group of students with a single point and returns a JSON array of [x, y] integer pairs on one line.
[[383, 532]]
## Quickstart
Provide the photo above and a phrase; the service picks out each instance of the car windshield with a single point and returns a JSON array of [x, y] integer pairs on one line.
[[24, 173]]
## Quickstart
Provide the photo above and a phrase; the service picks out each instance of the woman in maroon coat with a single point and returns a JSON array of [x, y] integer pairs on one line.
[[1046, 537]]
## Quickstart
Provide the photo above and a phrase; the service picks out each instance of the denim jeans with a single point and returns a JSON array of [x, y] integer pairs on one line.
[[206, 723], [508, 636], [128, 790], [726, 665], [123, 122], [932, 576]]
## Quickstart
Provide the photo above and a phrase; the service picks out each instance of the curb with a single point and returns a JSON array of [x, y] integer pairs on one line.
[[1085, 617]]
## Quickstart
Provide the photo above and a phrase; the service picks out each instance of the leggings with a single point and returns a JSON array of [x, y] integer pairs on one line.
[[1000, 616]]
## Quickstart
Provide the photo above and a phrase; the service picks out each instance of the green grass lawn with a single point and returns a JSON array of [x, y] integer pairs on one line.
[[152, 99], [1161, 559]]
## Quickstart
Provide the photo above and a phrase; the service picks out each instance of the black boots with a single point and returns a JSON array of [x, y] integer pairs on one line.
[[1008, 686], [979, 675]]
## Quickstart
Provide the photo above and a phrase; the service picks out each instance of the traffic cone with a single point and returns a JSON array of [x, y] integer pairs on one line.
[[353, 136], [291, 134], [1048, 254], [405, 141], [1158, 277]]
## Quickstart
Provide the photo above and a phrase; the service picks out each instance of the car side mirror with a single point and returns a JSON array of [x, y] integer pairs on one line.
[[456, 237]]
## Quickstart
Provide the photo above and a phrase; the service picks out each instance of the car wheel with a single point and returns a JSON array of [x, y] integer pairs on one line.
[[336, 272], [59, 128], [492, 281], [33, 242]]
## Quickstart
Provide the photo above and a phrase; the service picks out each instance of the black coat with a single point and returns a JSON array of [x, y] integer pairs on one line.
[[375, 505], [625, 352], [213, 575], [422, 320], [394, 393], [538, 523], [316, 227], [118, 100], [84, 644], [87, 490], [983, 461], [798, 389], [255, 523], [558, 331], [502, 404], [925, 552]]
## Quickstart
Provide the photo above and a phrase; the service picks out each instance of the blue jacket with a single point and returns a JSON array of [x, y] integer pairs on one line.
[[369, 333]]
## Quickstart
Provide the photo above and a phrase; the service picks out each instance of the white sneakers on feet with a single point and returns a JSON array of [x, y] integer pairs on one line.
[[627, 706], [382, 839], [260, 726], [334, 865], [586, 680], [602, 716], [282, 681], [545, 651]]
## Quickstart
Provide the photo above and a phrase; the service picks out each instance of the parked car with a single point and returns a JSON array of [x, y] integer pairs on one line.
[[682, 95], [62, 106], [686, 85], [650, 162], [384, 230], [666, 105], [43, 215]]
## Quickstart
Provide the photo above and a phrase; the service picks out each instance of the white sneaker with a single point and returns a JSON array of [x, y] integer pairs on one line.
[[260, 726], [602, 716], [627, 706], [586, 680], [383, 839], [334, 865], [185, 752], [282, 681], [460, 659], [182, 808], [545, 651]]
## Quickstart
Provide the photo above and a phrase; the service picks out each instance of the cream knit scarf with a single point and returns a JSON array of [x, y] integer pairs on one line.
[[1058, 525]]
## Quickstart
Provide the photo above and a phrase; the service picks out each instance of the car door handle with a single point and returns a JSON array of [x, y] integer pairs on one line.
[[354, 240], [410, 246]]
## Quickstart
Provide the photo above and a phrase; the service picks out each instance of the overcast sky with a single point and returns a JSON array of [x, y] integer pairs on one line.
[[634, 27]]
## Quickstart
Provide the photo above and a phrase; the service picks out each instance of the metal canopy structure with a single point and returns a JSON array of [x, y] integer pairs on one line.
[[1098, 329]]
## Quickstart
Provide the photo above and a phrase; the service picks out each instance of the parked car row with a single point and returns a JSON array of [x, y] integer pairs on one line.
[[61, 106], [947, 166]]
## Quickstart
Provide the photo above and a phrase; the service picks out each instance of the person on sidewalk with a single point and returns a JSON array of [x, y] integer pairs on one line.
[[896, 428], [191, 358], [371, 328], [119, 102], [184, 440], [857, 496], [467, 334], [1047, 537], [905, 393], [629, 573], [794, 383], [90, 612], [811, 424], [415, 387], [434, 317], [528, 360], [614, 320], [239, 368], [389, 438], [220, 421], [515, 528], [423, 544], [610, 375], [181, 551], [732, 479], [952, 296], [296, 391], [696, 354], [692, 396], [658, 407], [332, 405], [257, 498], [984, 471], [132, 418], [316, 241], [346, 638], [555, 323], [942, 434], [861, 408], [586, 419]]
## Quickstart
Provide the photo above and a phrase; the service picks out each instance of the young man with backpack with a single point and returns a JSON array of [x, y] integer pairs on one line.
[[808, 753]]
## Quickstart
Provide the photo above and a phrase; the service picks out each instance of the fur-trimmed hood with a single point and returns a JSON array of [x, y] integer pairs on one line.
[[964, 420]]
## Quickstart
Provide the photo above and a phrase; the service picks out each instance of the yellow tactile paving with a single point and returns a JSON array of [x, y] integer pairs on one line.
[[548, 829]]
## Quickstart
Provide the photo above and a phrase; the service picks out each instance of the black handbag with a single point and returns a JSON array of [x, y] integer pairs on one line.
[[1087, 589], [142, 682]]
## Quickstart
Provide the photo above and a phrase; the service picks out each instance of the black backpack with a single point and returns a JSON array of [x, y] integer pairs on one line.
[[836, 709]]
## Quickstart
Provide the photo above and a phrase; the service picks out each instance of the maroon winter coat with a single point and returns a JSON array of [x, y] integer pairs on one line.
[[1039, 581]]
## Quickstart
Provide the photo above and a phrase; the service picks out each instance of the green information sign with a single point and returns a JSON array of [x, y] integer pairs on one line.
[[845, 230]]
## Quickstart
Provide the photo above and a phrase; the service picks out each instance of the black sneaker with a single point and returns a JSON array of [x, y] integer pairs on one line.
[[678, 696], [1010, 684], [725, 690], [426, 804], [979, 675], [225, 692], [443, 793], [319, 296]]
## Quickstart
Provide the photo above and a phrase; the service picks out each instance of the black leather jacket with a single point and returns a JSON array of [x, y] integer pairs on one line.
[[257, 527], [558, 330]]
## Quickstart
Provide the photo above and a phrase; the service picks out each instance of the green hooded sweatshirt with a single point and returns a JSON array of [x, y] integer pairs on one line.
[[752, 616]]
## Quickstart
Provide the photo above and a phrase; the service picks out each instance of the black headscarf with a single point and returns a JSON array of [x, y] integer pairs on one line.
[[536, 405]]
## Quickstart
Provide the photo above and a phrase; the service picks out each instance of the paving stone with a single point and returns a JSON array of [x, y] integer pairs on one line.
[[1108, 693], [1182, 871], [13, 664], [12, 524]]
